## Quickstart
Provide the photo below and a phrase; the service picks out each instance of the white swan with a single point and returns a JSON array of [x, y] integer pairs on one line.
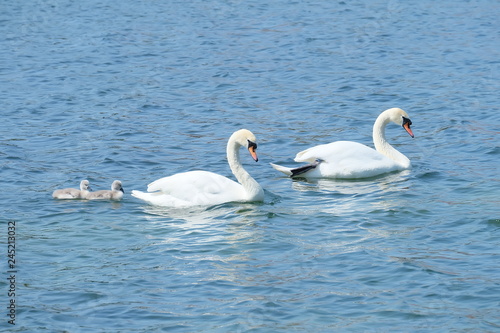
[[202, 188], [348, 159], [116, 193], [73, 193]]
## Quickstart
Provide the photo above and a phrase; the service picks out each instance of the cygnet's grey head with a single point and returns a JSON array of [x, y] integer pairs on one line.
[[117, 186], [84, 185]]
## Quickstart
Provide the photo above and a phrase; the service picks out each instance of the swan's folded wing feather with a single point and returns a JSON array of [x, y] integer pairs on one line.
[[332, 151], [199, 187], [346, 159]]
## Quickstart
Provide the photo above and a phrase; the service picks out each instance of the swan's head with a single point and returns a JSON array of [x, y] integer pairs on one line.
[[85, 185], [117, 186], [401, 118], [245, 138]]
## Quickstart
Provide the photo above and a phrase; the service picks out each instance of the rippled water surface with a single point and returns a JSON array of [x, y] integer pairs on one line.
[[138, 90]]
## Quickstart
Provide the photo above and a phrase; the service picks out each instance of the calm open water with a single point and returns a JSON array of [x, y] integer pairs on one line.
[[138, 90]]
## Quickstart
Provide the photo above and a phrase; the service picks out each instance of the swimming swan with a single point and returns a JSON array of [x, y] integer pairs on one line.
[[201, 188], [116, 193], [348, 159], [73, 193]]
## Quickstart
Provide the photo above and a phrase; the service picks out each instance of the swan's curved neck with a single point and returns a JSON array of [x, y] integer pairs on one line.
[[252, 188], [381, 144]]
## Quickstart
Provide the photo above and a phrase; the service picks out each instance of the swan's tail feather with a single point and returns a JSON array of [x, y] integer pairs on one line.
[[138, 194], [304, 169], [296, 171], [148, 197], [285, 170], [162, 199]]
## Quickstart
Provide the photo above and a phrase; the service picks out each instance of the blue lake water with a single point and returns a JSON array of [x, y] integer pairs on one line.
[[138, 90]]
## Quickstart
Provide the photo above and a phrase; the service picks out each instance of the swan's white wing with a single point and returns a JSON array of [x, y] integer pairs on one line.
[[191, 189], [332, 151], [346, 159]]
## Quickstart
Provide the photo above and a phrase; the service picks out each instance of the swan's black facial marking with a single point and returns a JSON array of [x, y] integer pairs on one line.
[[252, 144], [406, 121]]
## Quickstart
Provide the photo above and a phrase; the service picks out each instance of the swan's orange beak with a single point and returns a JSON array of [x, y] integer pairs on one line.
[[408, 129], [252, 151], [406, 126]]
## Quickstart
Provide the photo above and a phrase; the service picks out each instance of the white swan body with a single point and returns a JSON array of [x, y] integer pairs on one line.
[[116, 193], [204, 188], [352, 160], [73, 193]]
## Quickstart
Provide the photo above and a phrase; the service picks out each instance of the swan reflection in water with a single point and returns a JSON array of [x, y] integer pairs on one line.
[[353, 196], [214, 222]]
